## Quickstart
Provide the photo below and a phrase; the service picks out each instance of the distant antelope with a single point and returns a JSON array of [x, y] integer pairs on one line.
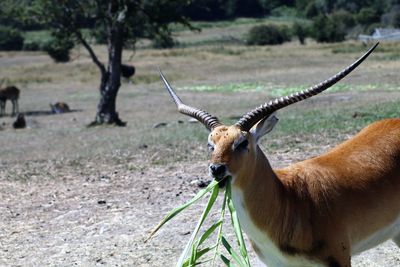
[[127, 71], [20, 122], [317, 212], [11, 93], [59, 107]]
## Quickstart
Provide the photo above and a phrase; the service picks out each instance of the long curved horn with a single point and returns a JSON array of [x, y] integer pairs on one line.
[[254, 116], [208, 120]]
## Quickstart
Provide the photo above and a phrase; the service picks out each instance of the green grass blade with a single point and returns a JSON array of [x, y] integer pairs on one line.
[[209, 232], [186, 264], [176, 211], [196, 253], [226, 261], [219, 236], [210, 203], [233, 253], [236, 226], [201, 253]]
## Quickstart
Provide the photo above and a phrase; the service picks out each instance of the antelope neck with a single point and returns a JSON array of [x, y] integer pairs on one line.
[[261, 189]]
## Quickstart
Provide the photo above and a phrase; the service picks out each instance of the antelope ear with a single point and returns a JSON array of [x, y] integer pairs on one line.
[[264, 126]]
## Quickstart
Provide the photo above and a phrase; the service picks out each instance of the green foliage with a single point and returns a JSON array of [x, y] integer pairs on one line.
[[36, 40], [311, 10], [195, 249], [15, 14], [327, 30], [367, 16], [344, 17], [268, 35], [100, 34], [30, 45], [396, 20], [10, 39], [163, 40], [59, 49], [300, 31], [284, 11]]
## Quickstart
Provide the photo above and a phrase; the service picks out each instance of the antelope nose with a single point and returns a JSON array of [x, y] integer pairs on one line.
[[217, 170]]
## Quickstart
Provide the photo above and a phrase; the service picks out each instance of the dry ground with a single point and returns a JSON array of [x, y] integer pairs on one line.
[[77, 196]]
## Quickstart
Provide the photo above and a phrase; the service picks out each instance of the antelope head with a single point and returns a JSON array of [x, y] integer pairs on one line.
[[234, 149]]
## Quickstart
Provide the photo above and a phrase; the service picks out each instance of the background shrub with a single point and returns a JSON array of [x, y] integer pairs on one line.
[[300, 31], [367, 16], [163, 40], [32, 45], [100, 35], [59, 49], [396, 20], [10, 39], [311, 10], [268, 35], [344, 17], [327, 30]]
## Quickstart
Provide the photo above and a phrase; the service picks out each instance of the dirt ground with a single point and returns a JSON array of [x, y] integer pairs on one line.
[[77, 196]]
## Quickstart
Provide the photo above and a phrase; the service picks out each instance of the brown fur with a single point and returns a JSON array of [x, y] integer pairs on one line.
[[9, 93], [320, 207], [59, 107]]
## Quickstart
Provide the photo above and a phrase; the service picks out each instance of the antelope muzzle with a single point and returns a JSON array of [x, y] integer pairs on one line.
[[219, 173]]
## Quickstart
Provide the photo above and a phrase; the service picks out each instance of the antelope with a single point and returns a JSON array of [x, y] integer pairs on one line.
[[59, 107], [317, 212], [20, 122], [127, 71], [11, 93]]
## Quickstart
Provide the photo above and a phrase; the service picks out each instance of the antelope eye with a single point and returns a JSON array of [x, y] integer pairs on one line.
[[210, 147], [243, 145]]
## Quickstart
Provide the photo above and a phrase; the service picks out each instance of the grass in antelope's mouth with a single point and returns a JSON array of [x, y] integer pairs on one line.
[[222, 181], [197, 247]]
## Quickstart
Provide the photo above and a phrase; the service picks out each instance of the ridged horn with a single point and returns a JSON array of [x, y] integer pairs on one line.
[[257, 114], [208, 120]]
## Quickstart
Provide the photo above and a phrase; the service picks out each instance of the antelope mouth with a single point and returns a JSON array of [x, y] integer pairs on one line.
[[223, 181]]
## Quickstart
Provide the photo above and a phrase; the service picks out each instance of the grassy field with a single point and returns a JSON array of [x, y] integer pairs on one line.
[[73, 195]]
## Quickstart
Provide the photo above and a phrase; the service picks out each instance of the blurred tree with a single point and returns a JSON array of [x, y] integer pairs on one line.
[[268, 35], [10, 39], [367, 15], [301, 31], [327, 30], [311, 10], [123, 21], [13, 13]]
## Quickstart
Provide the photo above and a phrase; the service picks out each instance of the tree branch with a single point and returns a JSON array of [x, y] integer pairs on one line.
[[91, 52]]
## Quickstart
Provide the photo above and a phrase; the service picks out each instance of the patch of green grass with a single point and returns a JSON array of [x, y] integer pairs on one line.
[[228, 87], [146, 78], [344, 48], [388, 57], [224, 50], [38, 36], [282, 91], [241, 21], [221, 40], [219, 24], [335, 120], [276, 91]]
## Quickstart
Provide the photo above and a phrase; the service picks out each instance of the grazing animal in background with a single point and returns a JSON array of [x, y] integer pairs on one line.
[[127, 71], [9, 93], [318, 212], [20, 122], [59, 107]]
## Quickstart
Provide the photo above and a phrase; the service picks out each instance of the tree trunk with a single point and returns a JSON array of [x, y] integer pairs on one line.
[[111, 79]]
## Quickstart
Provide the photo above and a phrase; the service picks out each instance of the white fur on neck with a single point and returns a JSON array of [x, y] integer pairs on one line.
[[268, 253]]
